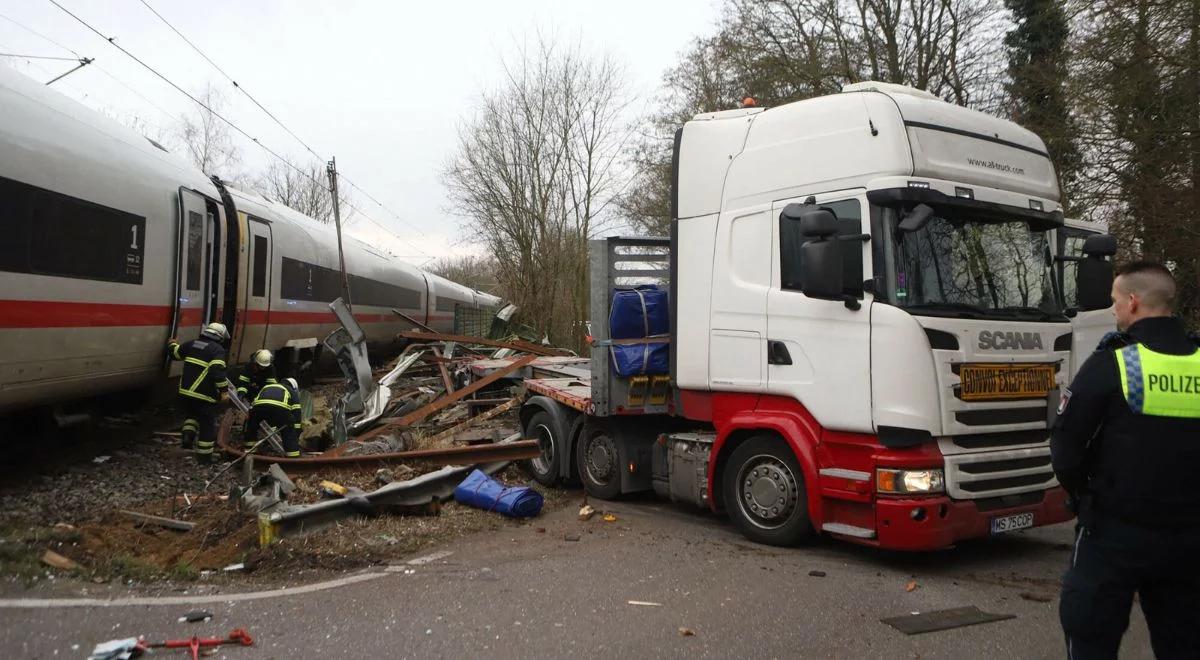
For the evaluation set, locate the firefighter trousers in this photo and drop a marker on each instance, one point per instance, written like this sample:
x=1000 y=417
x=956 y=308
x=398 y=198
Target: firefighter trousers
x=201 y=424
x=1112 y=561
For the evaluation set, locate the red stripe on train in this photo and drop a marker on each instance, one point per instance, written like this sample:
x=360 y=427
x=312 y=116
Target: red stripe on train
x=57 y=314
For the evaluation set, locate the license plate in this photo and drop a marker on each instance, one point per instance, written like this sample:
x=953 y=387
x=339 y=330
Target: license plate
x=1001 y=524
x=999 y=382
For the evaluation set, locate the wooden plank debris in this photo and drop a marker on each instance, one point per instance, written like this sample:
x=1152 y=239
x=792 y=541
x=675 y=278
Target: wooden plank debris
x=171 y=523
x=466 y=424
x=433 y=407
x=516 y=345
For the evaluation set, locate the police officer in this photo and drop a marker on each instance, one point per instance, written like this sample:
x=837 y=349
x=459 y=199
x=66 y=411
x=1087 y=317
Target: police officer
x=277 y=404
x=1126 y=446
x=261 y=371
x=201 y=388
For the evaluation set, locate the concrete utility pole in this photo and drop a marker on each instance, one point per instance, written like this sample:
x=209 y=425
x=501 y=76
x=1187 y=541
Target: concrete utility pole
x=337 y=222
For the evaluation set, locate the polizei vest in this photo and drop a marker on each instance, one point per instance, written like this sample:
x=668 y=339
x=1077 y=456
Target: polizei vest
x=1159 y=384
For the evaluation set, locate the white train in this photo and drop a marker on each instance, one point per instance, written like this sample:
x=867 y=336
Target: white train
x=110 y=245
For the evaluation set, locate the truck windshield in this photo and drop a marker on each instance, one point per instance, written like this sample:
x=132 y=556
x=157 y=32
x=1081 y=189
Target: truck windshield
x=971 y=268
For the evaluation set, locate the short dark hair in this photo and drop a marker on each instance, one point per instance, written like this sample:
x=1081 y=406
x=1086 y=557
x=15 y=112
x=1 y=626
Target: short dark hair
x=1151 y=281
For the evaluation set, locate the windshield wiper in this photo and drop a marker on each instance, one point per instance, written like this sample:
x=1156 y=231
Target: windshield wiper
x=960 y=309
x=1040 y=313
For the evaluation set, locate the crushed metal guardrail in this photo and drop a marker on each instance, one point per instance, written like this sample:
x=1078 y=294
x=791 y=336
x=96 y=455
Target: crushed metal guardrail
x=289 y=520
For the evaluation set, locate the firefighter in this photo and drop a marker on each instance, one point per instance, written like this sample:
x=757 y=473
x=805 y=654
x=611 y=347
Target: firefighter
x=1125 y=446
x=261 y=371
x=277 y=404
x=201 y=388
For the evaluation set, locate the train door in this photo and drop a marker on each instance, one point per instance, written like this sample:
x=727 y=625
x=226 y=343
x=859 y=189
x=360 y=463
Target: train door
x=193 y=284
x=258 y=292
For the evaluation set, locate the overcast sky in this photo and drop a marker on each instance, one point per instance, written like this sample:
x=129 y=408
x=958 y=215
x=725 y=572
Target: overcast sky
x=380 y=84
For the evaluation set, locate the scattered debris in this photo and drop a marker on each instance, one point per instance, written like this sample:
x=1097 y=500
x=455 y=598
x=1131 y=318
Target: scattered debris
x=235 y=567
x=117 y=649
x=1037 y=598
x=911 y=586
x=645 y=603
x=574 y=538
x=64 y=527
x=912 y=624
x=586 y=512
x=237 y=637
x=55 y=560
x=196 y=616
x=686 y=632
x=384 y=476
x=170 y=523
x=816 y=573
x=481 y=491
x=101 y=459
x=608 y=517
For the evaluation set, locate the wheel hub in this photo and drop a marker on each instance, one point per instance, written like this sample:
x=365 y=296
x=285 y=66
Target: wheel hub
x=545 y=440
x=601 y=459
x=768 y=491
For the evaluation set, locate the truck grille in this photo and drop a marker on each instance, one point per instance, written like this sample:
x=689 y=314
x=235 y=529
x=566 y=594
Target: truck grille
x=999 y=473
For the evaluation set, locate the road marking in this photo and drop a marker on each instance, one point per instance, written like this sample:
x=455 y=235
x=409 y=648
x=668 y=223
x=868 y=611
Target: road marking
x=43 y=603
x=429 y=559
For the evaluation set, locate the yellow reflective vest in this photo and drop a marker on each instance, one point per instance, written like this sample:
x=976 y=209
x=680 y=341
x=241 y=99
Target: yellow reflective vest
x=1160 y=384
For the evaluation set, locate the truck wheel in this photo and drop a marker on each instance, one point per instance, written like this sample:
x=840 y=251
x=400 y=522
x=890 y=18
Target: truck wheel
x=764 y=493
x=599 y=463
x=541 y=427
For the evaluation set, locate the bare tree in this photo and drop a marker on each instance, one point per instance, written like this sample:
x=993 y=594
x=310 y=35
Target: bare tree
x=473 y=270
x=779 y=51
x=207 y=140
x=303 y=188
x=535 y=174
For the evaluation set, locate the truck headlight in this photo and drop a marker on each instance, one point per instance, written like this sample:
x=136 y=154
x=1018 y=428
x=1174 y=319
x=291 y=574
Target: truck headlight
x=906 y=482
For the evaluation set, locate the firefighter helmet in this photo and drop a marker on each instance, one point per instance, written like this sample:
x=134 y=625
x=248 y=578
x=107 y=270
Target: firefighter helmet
x=263 y=357
x=292 y=383
x=216 y=331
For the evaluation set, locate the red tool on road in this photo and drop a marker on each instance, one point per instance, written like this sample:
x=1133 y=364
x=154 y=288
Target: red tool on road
x=238 y=637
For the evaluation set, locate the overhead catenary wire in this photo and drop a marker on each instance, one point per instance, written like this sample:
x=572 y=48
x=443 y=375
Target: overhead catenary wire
x=99 y=68
x=42 y=57
x=225 y=120
x=275 y=119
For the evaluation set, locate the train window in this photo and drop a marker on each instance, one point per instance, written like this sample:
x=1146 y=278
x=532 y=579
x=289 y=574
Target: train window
x=260 y=266
x=48 y=233
x=445 y=304
x=300 y=280
x=195 y=250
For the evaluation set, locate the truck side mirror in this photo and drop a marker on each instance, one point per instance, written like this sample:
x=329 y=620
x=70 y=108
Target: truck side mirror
x=1100 y=245
x=1094 y=274
x=821 y=255
x=915 y=219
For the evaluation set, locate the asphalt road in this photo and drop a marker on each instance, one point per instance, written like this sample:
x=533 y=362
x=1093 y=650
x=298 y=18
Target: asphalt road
x=532 y=593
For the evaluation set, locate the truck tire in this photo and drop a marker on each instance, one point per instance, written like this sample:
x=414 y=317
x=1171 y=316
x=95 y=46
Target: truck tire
x=764 y=494
x=599 y=462
x=542 y=427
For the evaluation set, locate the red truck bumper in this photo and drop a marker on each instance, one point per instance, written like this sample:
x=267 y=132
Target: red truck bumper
x=945 y=522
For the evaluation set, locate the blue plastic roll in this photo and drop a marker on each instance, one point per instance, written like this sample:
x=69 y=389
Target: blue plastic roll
x=640 y=312
x=483 y=492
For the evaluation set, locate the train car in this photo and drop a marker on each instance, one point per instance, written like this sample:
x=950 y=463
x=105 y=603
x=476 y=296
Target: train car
x=111 y=245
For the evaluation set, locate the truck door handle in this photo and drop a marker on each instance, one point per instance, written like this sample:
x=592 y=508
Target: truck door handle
x=777 y=353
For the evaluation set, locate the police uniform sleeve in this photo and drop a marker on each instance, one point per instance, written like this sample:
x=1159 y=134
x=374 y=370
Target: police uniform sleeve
x=1080 y=413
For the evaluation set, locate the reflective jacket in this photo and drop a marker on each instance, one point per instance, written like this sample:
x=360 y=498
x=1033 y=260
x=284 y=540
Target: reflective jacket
x=1127 y=439
x=203 y=368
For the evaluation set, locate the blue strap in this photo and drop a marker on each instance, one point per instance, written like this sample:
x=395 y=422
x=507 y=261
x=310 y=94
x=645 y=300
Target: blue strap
x=1136 y=396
